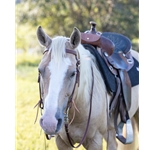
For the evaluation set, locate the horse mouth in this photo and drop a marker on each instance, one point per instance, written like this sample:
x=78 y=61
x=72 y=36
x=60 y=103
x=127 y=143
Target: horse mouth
x=59 y=124
x=49 y=136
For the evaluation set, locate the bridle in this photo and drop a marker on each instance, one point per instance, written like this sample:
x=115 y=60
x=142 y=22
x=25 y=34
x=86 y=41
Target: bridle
x=71 y=100
x=40 y=103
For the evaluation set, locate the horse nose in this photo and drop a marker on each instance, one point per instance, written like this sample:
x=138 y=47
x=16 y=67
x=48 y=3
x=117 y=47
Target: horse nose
x=49 y=124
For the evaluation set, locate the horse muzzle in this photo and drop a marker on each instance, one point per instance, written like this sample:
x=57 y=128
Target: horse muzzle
x=51 y=125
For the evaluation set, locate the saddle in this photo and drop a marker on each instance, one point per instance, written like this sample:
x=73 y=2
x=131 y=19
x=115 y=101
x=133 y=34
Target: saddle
x=115 y=51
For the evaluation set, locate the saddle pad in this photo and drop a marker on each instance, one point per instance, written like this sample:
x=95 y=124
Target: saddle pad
x=108 y=77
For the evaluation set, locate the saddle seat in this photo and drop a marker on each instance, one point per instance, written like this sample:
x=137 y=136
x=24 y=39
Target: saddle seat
x=121 y=57
x=116 y=47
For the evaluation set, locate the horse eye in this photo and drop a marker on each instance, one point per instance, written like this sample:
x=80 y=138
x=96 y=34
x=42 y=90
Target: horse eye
x=73 y=74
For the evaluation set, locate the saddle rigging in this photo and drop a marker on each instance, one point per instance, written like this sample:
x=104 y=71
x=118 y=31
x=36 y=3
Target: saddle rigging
x=116 y=56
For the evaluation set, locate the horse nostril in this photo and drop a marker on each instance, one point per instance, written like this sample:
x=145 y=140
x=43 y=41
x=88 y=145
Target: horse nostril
x=59 y=125
x=59 y=121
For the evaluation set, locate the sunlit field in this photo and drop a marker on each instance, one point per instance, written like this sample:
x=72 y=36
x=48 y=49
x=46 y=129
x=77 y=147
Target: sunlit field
x=29 y=136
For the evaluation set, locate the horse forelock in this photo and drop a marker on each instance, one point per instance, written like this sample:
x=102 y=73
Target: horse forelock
x=58 y=49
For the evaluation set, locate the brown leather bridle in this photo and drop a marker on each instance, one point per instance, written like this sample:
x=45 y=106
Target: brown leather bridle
x=71 y=100
x=40 y=103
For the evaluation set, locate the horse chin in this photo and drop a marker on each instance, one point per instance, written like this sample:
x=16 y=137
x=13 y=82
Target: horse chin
x=51 y=134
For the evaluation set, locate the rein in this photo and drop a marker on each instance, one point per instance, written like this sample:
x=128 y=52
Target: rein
x=40 y=102
x=66 y=118
x=69 y=105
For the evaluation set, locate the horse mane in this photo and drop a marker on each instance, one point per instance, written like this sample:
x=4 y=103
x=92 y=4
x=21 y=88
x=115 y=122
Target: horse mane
x=88 y=61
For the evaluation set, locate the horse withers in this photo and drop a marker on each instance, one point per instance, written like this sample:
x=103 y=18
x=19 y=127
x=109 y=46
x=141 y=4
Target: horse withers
x=58 y=71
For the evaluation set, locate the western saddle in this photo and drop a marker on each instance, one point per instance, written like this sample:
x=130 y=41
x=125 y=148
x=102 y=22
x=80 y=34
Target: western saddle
x=115 y=50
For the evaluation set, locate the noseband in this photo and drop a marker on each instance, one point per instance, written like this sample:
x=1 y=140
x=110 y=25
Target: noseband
x=40 y=104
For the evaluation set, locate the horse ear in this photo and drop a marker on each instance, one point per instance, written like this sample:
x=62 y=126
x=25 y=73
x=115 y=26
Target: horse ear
x=43 y=38
x=75 y=38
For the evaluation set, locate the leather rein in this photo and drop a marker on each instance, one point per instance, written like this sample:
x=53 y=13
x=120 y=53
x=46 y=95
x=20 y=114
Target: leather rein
x=40 y=103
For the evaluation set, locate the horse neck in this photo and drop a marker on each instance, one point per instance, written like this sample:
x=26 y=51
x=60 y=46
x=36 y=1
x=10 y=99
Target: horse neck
x=83 y=92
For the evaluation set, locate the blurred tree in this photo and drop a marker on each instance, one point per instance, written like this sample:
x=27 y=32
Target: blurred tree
x=58 y=17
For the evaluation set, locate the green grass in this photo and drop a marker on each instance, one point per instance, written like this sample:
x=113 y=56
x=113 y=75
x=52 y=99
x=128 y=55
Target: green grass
x=29 y=136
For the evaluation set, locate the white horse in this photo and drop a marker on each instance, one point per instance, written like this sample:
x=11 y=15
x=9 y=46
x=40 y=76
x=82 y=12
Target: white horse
x=58 y=76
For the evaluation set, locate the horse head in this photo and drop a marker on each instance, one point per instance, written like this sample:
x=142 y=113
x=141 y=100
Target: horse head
x=57 y=77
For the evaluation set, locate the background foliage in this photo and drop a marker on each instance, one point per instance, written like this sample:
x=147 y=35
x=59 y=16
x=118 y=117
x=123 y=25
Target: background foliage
x=58 y=17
